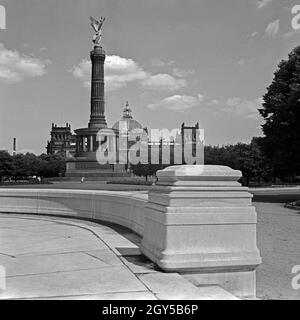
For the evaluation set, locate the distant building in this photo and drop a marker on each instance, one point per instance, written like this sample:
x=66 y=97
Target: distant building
x=185 y=143
x=123 y=129
x=127 y=123
x=62 y=141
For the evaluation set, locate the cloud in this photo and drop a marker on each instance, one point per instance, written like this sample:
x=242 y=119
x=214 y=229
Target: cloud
x=163 y=82
x=262 y=3
x=82 y=71
x=272 y=29
x=119 y=72
x=253 y=34
x=246 y=108
x=182 y=73
x=161 y=63
x=14 y=67
x=201 y=97
x=178 y=103
x=233 y=102
x=213 y=102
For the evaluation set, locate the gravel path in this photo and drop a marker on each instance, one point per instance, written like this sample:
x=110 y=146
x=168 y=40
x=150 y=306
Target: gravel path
x=278 y=236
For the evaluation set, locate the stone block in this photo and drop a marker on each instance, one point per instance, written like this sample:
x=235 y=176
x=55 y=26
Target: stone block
x=200 y=222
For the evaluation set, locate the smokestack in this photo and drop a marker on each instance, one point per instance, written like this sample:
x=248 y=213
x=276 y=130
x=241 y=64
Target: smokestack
x=14 y=146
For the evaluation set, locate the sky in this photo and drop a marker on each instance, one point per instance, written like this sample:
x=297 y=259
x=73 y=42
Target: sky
x=206 y=61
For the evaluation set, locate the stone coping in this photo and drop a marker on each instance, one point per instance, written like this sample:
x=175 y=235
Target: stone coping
x=120 y=207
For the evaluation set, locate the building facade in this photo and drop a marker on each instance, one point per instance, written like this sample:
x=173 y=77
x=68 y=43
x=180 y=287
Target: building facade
x=62 y=141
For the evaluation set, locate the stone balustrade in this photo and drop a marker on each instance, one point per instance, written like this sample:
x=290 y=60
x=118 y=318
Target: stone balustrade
x=197 y=221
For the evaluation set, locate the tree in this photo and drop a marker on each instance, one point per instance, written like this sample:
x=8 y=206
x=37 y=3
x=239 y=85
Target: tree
x=146 y=170
x=52 y=165
x=6 y=165
x=281 y=112
x=26 y=165
x=247 y=158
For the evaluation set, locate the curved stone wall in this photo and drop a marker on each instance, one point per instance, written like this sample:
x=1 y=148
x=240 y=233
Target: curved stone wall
x=123 y=208
x=198 y=221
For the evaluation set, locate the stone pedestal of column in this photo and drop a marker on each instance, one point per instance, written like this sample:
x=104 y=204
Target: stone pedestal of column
x=200 y=222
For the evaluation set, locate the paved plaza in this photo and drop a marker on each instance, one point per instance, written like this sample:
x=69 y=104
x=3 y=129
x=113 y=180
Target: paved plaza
x=55 y=258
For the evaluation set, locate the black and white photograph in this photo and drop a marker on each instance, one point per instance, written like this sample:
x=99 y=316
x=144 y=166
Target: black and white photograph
x=149 y=151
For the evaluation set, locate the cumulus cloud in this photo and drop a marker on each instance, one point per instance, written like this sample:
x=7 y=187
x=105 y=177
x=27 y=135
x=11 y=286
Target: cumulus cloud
x=178 y=103
x=118 y=72
x=121 y=71
x=273 y=28
x=263 y=3
x=14 y=67
x=163 y=81
x=83 y=72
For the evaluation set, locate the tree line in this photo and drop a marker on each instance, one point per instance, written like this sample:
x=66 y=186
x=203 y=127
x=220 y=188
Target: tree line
x=248 y=158
x=25 y=166
x=245 y=157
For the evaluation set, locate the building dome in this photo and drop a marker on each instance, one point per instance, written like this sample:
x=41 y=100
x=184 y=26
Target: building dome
x=127 y=123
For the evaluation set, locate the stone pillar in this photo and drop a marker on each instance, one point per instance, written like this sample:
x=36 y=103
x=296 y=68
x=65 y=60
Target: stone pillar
x=91 y=143
x=88 y=144
x=200 y=222
x=80 y=143
x=84 y=143
x=97 y=119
